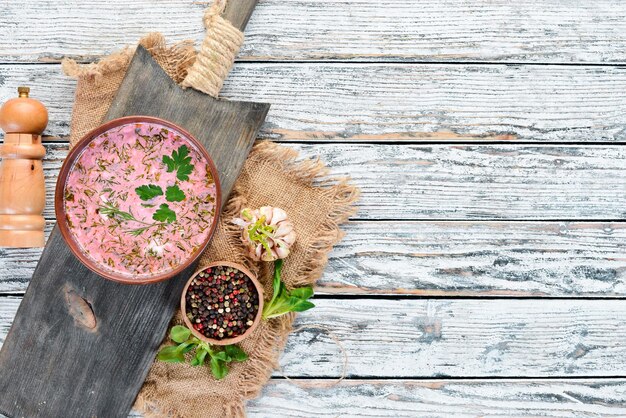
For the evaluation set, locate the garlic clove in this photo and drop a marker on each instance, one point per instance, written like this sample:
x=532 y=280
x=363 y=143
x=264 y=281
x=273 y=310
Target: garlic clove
x=290 y=238
x=256 y=253
x=266 y=211
x=240 y=222
x=278 y=215
x=269 y=255
x=284 y=228
x=282 y=251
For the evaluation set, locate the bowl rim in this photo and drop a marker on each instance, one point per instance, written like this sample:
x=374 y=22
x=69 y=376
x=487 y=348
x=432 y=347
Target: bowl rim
x=257 y=319
x=59 y=207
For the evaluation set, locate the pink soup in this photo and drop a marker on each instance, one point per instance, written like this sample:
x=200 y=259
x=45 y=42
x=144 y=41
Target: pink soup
x=140 y=200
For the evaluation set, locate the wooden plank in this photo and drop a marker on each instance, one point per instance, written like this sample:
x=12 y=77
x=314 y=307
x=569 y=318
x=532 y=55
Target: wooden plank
x=421 y=338
x=564 y=259
x=434 y=30
x=410 y=103
x=440 y=398
x=462 y=182
x=443 y=398
x=78 y=312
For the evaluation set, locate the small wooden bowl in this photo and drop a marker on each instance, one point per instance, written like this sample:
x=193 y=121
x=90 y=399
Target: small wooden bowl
x=225 y=341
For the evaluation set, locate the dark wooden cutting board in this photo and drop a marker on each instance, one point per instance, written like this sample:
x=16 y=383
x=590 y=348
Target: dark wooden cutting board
x=80 y=345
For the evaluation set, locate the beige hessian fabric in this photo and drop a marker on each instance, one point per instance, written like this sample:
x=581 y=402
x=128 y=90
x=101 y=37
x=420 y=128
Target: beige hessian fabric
x=271 y=176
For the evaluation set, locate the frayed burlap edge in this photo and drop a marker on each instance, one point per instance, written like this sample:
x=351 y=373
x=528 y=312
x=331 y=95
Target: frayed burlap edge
x=313 y=173
x=264 y=358
x=181 y=57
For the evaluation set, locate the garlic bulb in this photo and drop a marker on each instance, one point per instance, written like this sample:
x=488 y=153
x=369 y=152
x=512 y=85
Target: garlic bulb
x=267 y=232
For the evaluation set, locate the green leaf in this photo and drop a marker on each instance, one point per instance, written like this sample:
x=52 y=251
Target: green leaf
x=182 y=154
x=198 y=360
x=235 y=353
x=221 y=355
x=170 y=163
x=298 y=305
x=303 y=293
x=149 y=191
x=138 y=231
x=180 y=333
x=164 y=214
x=278 y=268
x=186 y=347
x=283 y=301
x=218 y=368
x=179 y=161
x=171 y=354
x=184 y=171
x=174 y=194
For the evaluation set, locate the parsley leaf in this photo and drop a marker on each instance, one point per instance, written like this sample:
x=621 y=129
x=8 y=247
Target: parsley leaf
x=164 y=214
x=174 y=194
x=149 y=191
x=179 y=161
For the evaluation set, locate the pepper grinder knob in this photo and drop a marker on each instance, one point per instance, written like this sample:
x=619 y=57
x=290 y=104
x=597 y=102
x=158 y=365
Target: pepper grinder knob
x=22 y=187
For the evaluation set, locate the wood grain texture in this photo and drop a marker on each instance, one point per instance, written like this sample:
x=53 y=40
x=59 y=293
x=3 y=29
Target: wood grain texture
x=461 y=338
x=409 y=103
x=564 y=259
x=463 y=182
x=78 y=312
x=440 y=338
x=443 y=399
x=583 y=398
x=450 y=30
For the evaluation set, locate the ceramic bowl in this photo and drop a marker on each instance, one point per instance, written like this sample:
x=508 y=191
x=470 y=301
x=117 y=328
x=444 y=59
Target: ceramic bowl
x=137 y=236
x=223 y=341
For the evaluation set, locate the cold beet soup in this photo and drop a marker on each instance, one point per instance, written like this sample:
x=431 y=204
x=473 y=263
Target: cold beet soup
x=140 y=200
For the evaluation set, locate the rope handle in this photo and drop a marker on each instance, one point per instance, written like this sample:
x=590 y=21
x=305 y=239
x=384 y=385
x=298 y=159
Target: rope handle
x=215 y=9
x=217 y=52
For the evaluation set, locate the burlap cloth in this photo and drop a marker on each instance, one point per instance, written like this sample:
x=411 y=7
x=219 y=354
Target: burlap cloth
x=316 y=203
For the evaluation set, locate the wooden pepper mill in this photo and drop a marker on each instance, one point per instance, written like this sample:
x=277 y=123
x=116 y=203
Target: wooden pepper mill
x=22 y=189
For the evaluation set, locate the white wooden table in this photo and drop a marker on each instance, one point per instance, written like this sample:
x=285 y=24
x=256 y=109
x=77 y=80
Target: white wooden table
x=485 y=272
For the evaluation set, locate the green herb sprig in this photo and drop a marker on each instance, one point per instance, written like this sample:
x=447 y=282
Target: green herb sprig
x=112 y=211
x=219 y=359
x=284 y=301
x=179 y=161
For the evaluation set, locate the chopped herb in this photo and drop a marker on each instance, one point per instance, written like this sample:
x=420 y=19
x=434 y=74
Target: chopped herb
x=112 y=211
